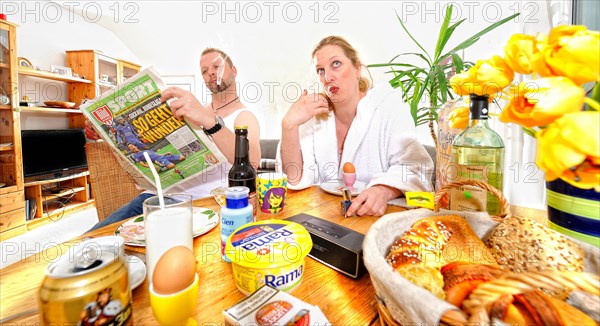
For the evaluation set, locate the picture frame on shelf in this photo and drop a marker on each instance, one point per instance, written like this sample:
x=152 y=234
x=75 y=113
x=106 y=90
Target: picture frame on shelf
x=60 y=70
x=23 y=62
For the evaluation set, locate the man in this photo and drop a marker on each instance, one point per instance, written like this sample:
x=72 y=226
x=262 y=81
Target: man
x=217 y=118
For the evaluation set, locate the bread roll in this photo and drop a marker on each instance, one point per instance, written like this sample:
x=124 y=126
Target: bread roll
x=433 y=242
x=523 y=245
x=438 y=240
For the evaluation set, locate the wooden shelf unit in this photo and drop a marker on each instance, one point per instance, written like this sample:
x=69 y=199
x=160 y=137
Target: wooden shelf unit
x=72 y=191
x=51 y=207
x=12 y=199
x=93 y=65
x=51 y=76
x=5 y=148
x=48 y=110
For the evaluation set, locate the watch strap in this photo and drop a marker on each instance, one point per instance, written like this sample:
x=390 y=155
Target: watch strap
x=214 y=129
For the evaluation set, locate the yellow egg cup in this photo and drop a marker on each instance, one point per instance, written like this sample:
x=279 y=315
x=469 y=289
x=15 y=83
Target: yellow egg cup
x=177 y=308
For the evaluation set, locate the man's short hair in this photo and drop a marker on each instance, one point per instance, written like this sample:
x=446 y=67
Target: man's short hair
x=225 y=56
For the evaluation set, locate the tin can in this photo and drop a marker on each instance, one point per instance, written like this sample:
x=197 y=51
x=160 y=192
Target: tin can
x=87 y=286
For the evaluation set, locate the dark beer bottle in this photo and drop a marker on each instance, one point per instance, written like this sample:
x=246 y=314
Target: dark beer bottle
x=242 y=173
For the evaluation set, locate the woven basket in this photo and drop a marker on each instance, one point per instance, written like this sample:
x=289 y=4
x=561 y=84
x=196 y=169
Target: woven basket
x=452 y=317
x=511 y=283
x=504 y=205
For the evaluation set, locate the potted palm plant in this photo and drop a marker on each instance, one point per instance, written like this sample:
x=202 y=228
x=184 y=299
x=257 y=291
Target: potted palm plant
x=430 y=79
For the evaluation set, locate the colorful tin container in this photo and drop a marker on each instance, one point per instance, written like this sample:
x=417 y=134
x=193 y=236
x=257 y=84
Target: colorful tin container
x=270 y=252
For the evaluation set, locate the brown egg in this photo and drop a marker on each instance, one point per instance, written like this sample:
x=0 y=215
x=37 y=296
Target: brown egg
x=174 y=271
x=348 y=168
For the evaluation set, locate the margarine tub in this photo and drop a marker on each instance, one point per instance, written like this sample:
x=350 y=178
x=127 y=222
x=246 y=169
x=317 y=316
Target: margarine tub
x=270 y=252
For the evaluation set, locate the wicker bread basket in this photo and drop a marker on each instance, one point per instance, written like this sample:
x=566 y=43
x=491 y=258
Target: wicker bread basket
x=401 y=302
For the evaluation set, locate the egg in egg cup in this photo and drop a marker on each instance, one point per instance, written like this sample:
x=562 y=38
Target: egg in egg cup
x=175 y=308
x=349 y=175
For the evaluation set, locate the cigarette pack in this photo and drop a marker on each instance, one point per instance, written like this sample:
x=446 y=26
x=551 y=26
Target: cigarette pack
x=268 y=306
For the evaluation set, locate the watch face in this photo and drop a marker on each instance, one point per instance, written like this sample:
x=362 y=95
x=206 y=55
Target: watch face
x=220 y=121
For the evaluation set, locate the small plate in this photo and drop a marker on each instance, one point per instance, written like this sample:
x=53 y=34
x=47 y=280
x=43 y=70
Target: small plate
x=335 y=187
x=204 y=220
x=58 y=104
x=136 y=269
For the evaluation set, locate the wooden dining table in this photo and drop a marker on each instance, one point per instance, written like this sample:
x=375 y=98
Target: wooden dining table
x=342 y=299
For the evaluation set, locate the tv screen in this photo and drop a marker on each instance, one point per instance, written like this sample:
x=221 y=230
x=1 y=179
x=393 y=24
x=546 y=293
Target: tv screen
x=52 y=152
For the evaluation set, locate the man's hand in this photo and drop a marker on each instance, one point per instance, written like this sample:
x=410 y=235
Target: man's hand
x=372 y=201
x=185 y=105
x=90 y=133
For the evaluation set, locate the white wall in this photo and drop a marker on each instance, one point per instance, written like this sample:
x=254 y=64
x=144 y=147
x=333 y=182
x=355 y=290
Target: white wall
x=271 y=42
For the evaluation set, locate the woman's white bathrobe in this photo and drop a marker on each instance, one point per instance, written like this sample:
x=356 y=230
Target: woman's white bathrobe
x=381 y=144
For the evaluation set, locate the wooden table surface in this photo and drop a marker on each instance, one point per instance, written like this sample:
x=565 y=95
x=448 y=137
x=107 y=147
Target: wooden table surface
x=343 y=300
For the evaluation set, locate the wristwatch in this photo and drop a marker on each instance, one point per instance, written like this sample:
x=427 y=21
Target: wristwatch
x=219 y=123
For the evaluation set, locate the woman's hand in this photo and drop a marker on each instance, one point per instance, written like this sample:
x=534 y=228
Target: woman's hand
x=185 y=105
x=305 y=108
x=372 y=201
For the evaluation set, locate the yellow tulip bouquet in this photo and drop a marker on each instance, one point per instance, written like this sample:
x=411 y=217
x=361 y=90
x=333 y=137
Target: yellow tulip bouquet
x=553 y=106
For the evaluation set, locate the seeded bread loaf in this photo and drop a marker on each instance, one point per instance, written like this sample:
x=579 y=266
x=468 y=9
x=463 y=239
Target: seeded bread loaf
x=523 y=245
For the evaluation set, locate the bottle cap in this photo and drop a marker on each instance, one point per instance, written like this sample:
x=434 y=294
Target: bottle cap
x=237 y=197
x=479 y=107
x=241 y=127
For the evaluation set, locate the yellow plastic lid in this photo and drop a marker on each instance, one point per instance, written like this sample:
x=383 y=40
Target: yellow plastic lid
x=268 y=244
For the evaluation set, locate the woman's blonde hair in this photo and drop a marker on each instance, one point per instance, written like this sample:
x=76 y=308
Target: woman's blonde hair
x=364 y=83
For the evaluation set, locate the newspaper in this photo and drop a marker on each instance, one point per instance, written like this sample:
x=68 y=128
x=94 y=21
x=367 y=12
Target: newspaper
x=133 y=120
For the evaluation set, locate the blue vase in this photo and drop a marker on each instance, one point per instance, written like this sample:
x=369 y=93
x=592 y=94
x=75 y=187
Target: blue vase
x=573 y=211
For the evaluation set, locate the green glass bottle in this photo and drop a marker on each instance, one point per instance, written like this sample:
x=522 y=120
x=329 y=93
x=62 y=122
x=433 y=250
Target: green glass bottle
x=477 y=154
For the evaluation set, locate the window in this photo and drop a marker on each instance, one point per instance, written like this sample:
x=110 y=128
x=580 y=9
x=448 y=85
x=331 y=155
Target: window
x=585 y=12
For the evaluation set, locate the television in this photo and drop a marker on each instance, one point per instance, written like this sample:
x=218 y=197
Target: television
x=52 y=153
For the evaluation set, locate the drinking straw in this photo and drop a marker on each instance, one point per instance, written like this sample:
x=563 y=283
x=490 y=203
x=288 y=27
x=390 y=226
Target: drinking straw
x=161 y=200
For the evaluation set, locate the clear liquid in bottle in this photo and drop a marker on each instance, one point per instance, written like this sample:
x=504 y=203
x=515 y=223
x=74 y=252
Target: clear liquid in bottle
x=477 y=154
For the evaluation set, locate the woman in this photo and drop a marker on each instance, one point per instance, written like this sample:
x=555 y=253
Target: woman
x=363 y=126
